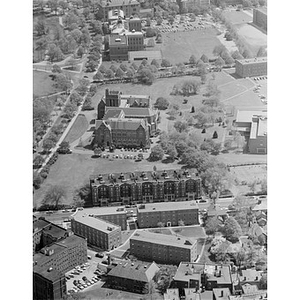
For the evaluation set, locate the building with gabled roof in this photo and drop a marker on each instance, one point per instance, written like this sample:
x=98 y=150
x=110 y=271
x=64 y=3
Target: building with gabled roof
x=132 y=276
x=171 y=294
x=161 y=248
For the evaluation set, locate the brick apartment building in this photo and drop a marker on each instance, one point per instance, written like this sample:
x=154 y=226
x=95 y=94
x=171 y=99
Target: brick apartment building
x=253 y=125
x=132 y=277
x=196 y=275
x=135 y=40
x=260 y=18
x=135 y=24
x=46 y=233
x=129 y=7
x=99 y=233
x=145 y=187
x=168 y=249
x=113 y=214
x=51 y=264
x=149 y=215
x=250 y=67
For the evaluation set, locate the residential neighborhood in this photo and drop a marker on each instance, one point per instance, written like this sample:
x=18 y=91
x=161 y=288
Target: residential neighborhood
x=150 y=149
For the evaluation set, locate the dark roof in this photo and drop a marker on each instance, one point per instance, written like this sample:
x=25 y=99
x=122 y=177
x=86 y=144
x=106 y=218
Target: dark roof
x=55 y=230
x=221 y=293
x=137 y=111
x=52 y=275
x=39 y=224
x=134 y=271
x=112 y=113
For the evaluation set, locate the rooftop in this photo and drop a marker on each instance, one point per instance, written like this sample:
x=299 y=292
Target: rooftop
x=137 y=111
x=134 y=33
x=246 y=61
x=39 y=224
x=144 y=54
x=118 y=2
x=93 y=222
x=171 y=294
x=126 y=124
x=145 y=176
x=167 y=206
x=262 y=9
x=246 y=116
x=117 y=40
x=251 y=275
x=52 y=275
x=113 y=113
x=191 y=294
x=134 y=271
x=221 y=293
x=163 y=239
x=102 y=211
x=187 y=271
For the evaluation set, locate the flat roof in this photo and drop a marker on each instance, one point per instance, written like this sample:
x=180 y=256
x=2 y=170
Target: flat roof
x=117 y=40
x=246 y=116
x=187 y=271
x=103 y=211
x=96 y=223
x=192 y=294
x=129 y=33
x=167 y=206
x=111 y=3
x=262 y=9
x=221 y=293
x=246 y=61
x=163 y=239
x=144 y=176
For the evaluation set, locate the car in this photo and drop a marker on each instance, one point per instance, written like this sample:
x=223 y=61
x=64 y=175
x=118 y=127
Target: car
x=88 y=283
x=99 y=254
x=71 y=291
x=105 y=262
x=85 y=285
x=71 y=276
x=89 y=257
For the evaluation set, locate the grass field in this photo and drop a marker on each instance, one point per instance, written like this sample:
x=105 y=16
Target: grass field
x=237 y=17
x=250 y=173
x=78 y=129
x=42 y=84
x=179 y=46
x=193 y=232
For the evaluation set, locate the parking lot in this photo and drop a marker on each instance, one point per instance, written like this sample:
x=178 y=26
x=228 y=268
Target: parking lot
x=134 y=154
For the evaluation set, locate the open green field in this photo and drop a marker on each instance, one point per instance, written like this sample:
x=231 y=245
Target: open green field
x=237 y=17
x=250 y=173
x=179 y=46
x=79 y=127
x=192 y=232
x=43 y=84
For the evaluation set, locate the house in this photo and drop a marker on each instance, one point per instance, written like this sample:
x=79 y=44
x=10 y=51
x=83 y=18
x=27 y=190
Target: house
x=132 y=277
x=171 y=294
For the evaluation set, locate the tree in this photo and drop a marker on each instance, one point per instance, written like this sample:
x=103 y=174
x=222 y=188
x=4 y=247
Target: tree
x=155 y=63
x=165 y=63
x=263 y=282
x=192 y=109
x=91 y=66
x=38 y=161
x=247 y=53
x=232 y=230
x=262 y=2
x=151 y=43
x=54 y=195
x=219 y=62
x=130 y=73
x=237 y=55
x=113 y=67
x=215 y=135
x=204 y=58
x=40 y=26
x=171 y=151
x=229 y=60
x=69 y=110
x=37 y=180
x=80 y=51
x=150 y=32
x=98 y=76
x=180 y=126
x=146 y=76
x=109 y=74
x=157 y=153
x=163 y=277
x=246 y=3
x=161 y=103
x=56 y=69
x=54 y=53
x=201 y=119
x=212 y=225
x=48 y=144
x=160 y=225
x=62 y=82
x=192 y=59
x=159 y=40
x=82 y=195
x=123 y=67
x=159 y=21
x=102 y=69
x=219 y=49
x=64 y=145
x=120 y=73
x=261 y=52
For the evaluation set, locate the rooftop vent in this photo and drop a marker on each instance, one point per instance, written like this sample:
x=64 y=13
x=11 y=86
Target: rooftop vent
x=50 y=269
x=118 y=40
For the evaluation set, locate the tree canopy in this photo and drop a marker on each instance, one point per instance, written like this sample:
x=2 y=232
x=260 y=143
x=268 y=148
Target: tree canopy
x=55 y=195
x=157 y=153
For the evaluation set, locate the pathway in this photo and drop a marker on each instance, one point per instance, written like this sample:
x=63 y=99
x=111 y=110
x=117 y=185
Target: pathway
x=201 y=253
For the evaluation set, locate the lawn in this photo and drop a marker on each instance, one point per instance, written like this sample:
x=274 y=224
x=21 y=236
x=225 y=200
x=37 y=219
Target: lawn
x=179 y=46
x=42 y=84
x=237 y=17
x=192 y=232
x=79 y=127
x=73 y=170
x=249 y=173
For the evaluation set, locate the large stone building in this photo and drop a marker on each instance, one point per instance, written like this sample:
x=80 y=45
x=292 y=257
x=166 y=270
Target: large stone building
x=125 y=120
x=196 y=275
x=260 y=18
x=149 y=215
x=250 y=67
x=118 y=47
x=129 y=7
x=167 y=249
x=253 y=125
x=145 y=187
x=51 y=264
x=99 y=233
x=46 y=233
x=132 y=277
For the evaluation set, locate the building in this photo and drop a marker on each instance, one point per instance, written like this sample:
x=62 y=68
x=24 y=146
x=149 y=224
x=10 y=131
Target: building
x=221 y=293
x=115 y=15
x=150 y=214
x=250 y=276
x=141 y=55
x=260 y=18
x=118 y=48
x=250 y=67
x=135 y=24
x=129 y=7
x=51 y=264
x=132 y=277
x=200 y=277
x=253 y=125
x=125 y=120
x=46 y=233
x=98 y=232
x=193 y=294
x=145 y=187
x=161 y=248
x=112 y=214
x=135 y=40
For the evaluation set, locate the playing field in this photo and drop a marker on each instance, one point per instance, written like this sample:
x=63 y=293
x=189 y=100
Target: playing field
x=78 y=129
x=179 y=46
x=42 y=84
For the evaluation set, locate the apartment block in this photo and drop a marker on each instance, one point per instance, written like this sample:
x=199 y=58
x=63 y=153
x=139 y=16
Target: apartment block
x=168 y=249
x=99 y=233
x=260 y=17
x=250 y=67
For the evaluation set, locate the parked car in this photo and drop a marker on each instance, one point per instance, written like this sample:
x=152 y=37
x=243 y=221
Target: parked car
x=99 y=254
